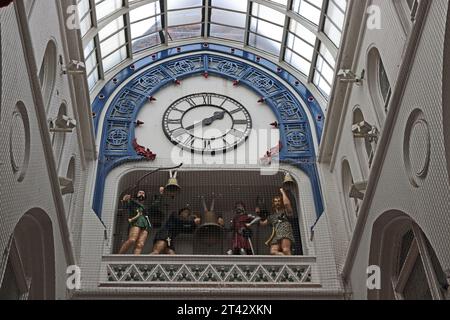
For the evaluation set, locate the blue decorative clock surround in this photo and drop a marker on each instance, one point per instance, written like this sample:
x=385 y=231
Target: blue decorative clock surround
x=118 y=126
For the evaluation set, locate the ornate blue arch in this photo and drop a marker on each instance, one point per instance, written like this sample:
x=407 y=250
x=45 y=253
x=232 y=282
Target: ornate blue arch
x=117 y=131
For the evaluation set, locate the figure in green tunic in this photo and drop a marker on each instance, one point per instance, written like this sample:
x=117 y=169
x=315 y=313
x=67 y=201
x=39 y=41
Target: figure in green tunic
x=138 y=218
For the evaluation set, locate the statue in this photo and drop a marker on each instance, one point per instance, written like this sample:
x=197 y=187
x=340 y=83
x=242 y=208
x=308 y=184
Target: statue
x=282 y=236
x=181 y=222
x=158 y=207
x=139 y=223
x=240 y=226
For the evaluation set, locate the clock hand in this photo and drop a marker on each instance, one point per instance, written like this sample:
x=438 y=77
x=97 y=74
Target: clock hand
x=193 y=126
x=208 y=121
x=217 y=116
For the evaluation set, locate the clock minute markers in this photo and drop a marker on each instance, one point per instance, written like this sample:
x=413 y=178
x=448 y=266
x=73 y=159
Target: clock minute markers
x=214 y=141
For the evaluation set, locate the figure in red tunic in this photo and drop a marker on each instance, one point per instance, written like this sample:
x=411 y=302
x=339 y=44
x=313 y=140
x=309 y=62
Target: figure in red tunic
x=240 y=225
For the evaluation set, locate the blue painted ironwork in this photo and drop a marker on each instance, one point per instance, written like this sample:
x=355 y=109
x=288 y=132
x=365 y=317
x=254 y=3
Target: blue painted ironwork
x=226 y=67
x=118 y=131
x=117 y=137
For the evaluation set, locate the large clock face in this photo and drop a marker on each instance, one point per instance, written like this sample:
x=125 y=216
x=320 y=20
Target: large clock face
x=207 y=123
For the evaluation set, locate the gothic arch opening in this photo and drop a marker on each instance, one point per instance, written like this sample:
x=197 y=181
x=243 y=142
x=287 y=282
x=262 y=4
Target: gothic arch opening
x=406 y=10
x=410 y=269
x=378 y=82
x=47 y=72
x=31 y=259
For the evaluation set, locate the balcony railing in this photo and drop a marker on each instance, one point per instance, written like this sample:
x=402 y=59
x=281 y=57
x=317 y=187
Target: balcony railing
x=209 y=271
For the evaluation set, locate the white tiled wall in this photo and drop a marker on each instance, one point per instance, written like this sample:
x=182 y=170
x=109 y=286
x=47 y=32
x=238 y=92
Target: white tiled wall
x=429 y=204
x=17 y=198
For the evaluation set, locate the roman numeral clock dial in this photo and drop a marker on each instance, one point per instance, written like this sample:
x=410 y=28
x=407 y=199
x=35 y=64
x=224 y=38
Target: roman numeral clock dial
x=207 y=123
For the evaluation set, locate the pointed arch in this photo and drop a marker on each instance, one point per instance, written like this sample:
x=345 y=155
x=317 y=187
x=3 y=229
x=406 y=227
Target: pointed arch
x=47 y=72
x=410 y=267
x=32 y=256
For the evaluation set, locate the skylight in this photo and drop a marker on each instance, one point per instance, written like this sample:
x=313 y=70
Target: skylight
x=306 y=34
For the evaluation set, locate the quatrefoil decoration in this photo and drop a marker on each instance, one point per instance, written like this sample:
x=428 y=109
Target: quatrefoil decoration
x=117 y=137
x=289 y=109
x=227 y=67
x=148 y=81
x=263 y=82
x=125 y=106
x=296 y=139
x=184 y=66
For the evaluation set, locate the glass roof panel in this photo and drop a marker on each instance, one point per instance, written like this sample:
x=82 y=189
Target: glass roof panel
x=183 y=4
x=105 y=8
x=237 y=5
x=146 y=11
x=308 y=39
x=229 y=18
x=182 y=17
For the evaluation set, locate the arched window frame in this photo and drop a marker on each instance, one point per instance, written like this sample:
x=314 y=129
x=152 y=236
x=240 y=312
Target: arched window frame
x=418 y=250
x=376 y=73
x=48 y=71
x=386 y=252
x=32 y=256
x=406 y=11
x=18 y=282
